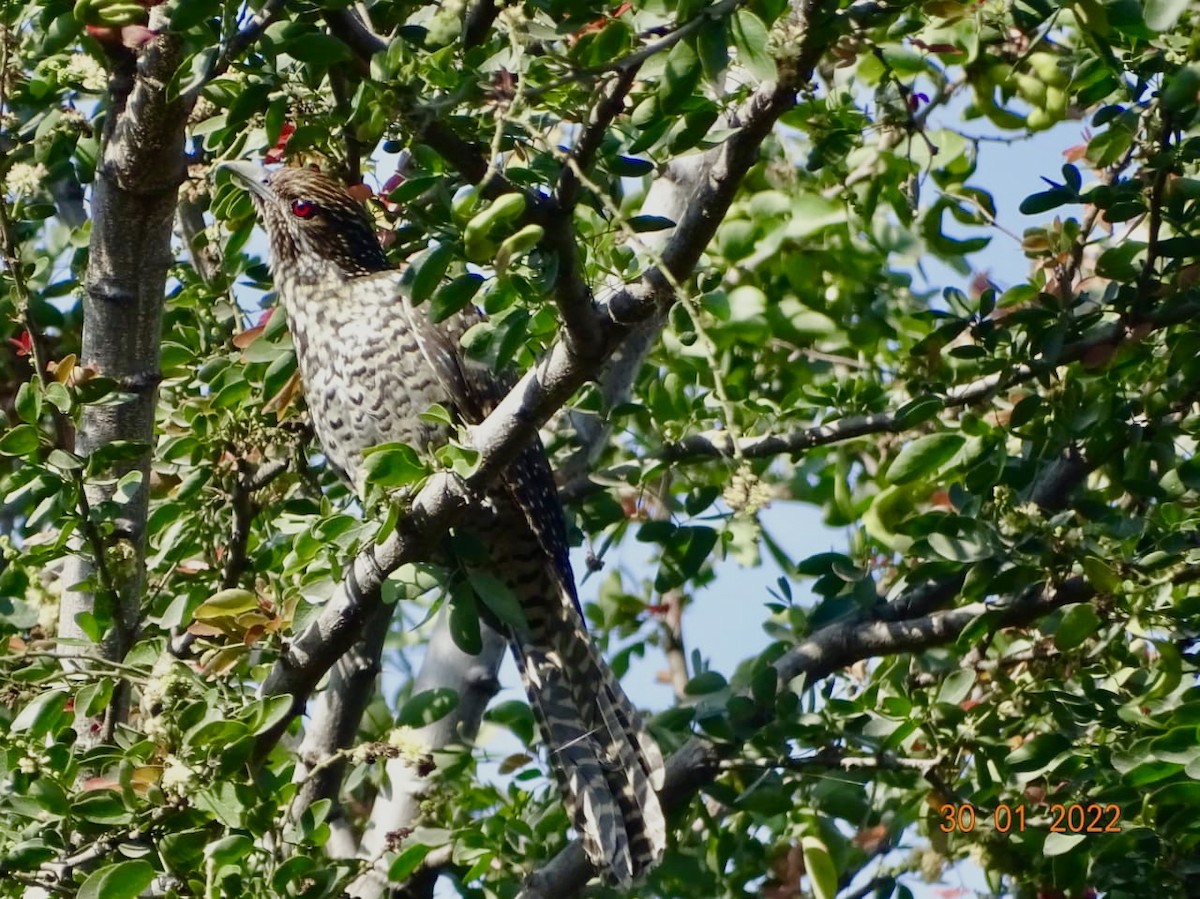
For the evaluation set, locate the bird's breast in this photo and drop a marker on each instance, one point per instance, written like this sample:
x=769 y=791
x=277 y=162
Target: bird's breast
x=366 y=380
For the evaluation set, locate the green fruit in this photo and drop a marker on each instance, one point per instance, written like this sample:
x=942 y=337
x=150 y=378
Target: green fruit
x=1046 y=67
x=997 y=115
x=1039 y=119
x=1030 y=89
x=504 y=210
x=1056 y=103
x=464 y=202
x=518 y=245
x=478 y=246
x=116 y=15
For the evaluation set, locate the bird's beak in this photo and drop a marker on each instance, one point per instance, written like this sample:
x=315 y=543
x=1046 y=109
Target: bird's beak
x=250 y=176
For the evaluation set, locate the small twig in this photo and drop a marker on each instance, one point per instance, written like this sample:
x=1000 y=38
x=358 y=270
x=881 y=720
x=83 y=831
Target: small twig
x=837 y=760
x=95 y=541
x=1037 y=653
x=1156 y=206
x=117 y=668
x=238 y=44
x=611 y=105
x=870 y=887
x=635 y=59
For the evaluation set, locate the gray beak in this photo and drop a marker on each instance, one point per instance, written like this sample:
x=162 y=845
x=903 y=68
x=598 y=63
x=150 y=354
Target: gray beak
x=250 y=176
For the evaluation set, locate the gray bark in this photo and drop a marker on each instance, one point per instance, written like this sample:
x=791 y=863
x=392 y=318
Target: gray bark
x=399 y=805
x=133 y=208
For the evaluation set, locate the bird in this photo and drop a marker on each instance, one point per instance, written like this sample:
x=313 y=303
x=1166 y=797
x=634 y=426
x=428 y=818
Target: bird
x=371 y=363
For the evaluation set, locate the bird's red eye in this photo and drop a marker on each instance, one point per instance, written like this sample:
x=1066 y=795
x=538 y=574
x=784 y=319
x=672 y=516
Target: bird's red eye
x=303 y=208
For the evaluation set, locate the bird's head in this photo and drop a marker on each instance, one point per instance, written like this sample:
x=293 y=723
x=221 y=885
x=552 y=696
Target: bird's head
x=317 y=230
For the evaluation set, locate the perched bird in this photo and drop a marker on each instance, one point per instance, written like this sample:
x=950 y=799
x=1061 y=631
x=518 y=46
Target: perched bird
x=371 y=363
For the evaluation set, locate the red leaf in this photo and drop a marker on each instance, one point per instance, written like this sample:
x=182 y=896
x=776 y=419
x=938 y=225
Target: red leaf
x=135 y=36
x=275 y=154
x=392 y=183
x=104 y=34
x=934 y=48
x=22 y=343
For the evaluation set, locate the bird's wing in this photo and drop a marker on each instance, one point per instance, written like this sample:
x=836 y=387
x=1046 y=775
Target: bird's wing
x=476 y=390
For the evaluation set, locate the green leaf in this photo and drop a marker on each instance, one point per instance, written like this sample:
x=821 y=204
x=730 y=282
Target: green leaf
x=1061 y=843
x=642 y=223
x=20 y=441
x=680 y=77
x=517 y=716
x=464 y=619
x=124 y=880
x=713 y=50
x=957 y=686
x=1079 y=622
x=819 y=866
x=922 y=456
x=630 y=166
x=429 y=271
x=1046 y=200
x=407 y=861
x=1102 y=578
x=706 y=682
x=1161 y=15
x=751 y=38
x=28 y=403
x=317 y=48
x=498 y=598
x=229 y=850
x=453 y=297
x=427 y=707
x=102 y=807
x=267 y=713
x=918 y=411
x=970 y=545
x=393 y=465
x=1036 y=756
x=42 y=712
x=64 y=461
x=226 y=603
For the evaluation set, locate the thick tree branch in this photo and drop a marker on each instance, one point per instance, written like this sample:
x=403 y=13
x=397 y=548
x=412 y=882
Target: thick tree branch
x=573 y=294
x=719 y=444
x=335 y=720
x=133 y=208
x=445 y=667
x=478 y=21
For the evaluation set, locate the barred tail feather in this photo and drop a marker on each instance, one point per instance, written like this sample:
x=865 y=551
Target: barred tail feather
x=607 y=765
x=580 y=774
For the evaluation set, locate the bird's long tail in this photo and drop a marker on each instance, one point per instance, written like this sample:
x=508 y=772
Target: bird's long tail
x=607 y=765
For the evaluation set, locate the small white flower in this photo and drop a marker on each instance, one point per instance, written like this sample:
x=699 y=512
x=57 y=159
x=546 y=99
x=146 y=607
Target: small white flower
x=176 y=777
x=83 y=70
x=24 y=179
x=28 y=765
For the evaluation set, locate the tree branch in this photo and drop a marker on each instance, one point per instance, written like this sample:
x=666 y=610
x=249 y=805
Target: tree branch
x=399 y=807
x=836 y=646
x=133 y=208
x=335 y=720
x=238 y=44
x=478 y=21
